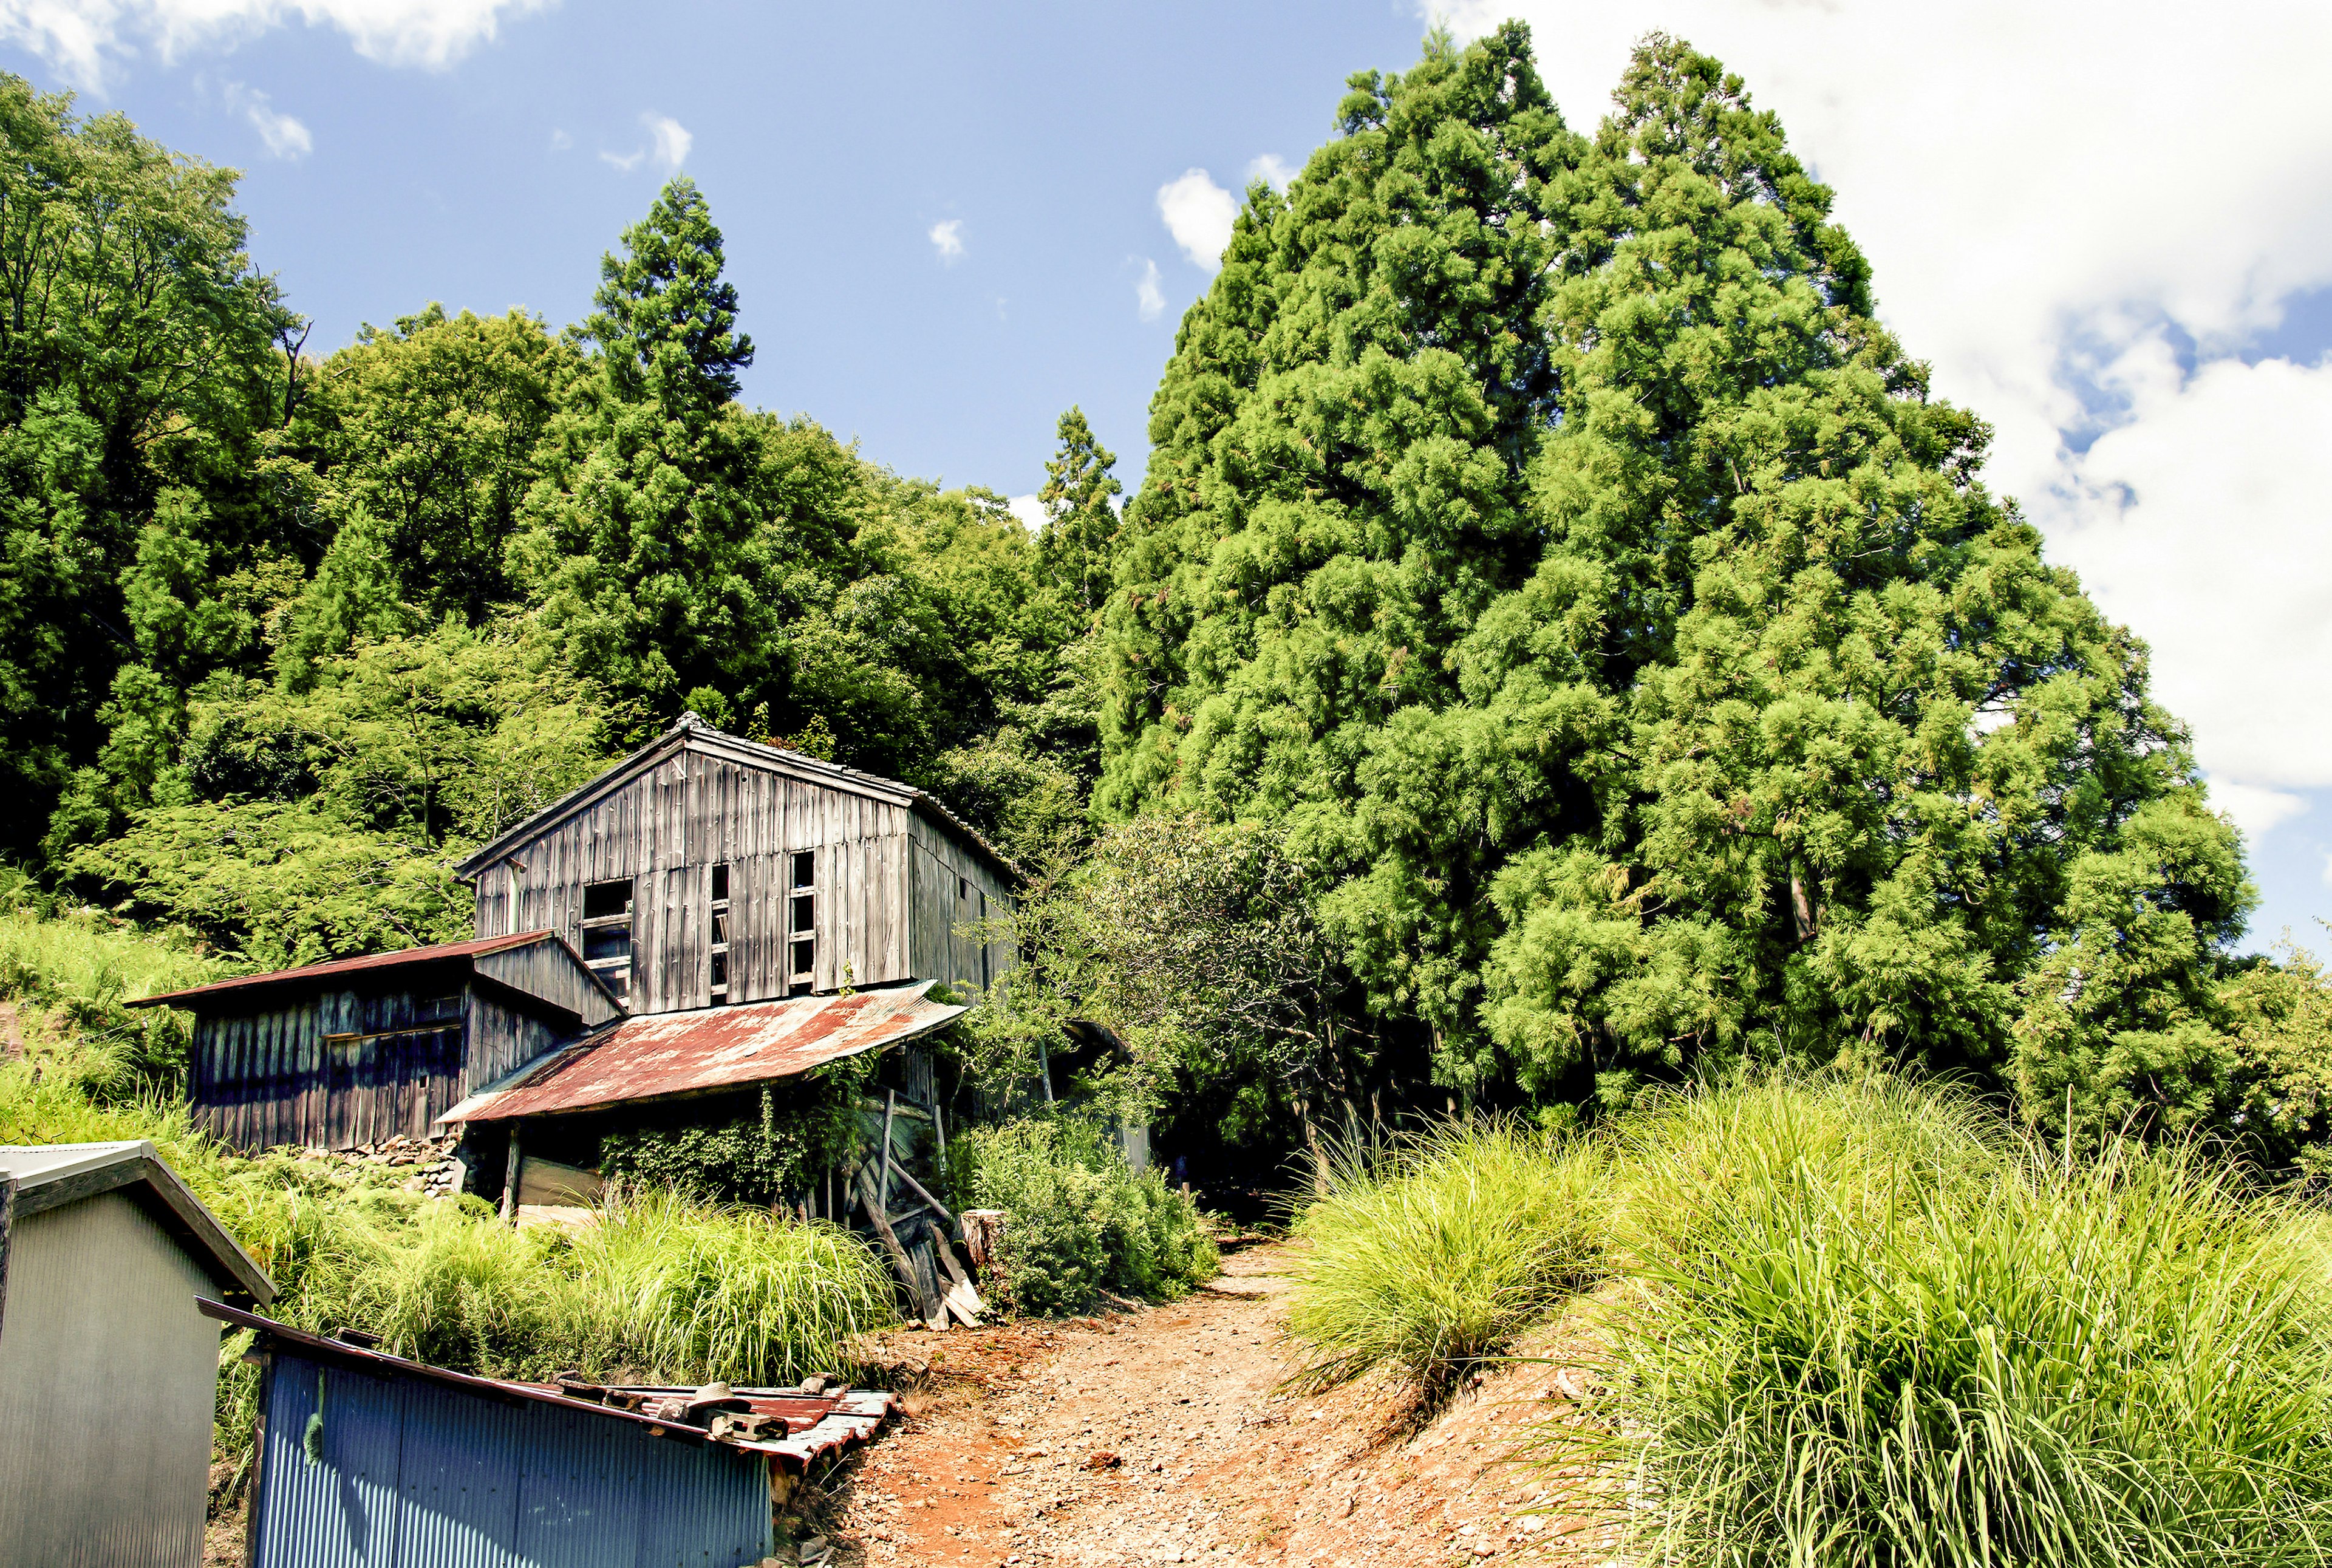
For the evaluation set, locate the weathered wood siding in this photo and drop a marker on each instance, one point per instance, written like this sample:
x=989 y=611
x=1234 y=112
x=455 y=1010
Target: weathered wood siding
x=276 y=1076
x=960 y=906
x=503 y=1038
x=552 y=972
x=664 y=831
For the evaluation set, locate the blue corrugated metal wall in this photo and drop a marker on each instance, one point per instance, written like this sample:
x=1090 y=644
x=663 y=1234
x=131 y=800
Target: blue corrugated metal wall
x=415 y=1475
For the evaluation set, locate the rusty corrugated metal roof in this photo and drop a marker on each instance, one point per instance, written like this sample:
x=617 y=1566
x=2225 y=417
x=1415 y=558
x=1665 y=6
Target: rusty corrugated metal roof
x=667 y=1054
x=792 y=1425
x=331 y=968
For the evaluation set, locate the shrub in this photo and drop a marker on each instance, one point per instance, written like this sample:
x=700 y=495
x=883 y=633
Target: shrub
x=1432 y=1256
x=1080 y=1220
x=1875 y=1331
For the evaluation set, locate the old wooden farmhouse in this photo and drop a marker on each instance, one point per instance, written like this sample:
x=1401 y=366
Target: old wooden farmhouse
x=709 y=915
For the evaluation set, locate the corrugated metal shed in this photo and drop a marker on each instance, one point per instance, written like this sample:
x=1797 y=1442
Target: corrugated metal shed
x=674 y=1054
x=412 y=1466
x=108 y=1368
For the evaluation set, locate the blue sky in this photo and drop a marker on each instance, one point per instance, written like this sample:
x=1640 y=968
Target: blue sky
x=2115 y=243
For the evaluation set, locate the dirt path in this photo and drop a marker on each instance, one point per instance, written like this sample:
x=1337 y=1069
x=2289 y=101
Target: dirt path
x=1156 y=1437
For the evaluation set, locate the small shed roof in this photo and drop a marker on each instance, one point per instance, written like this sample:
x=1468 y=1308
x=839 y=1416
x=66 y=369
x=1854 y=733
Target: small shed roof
x=334 y=971
x=50 y=1175
x=692 y=733
x=814 y=1423
x=665 y=1055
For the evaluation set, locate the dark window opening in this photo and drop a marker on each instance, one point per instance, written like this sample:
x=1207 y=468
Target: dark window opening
x=717 y=933
x=607 y=933
x=801 y=925
x=607 y=900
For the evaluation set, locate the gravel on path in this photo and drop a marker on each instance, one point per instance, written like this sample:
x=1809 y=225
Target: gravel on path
x=1159 y=1437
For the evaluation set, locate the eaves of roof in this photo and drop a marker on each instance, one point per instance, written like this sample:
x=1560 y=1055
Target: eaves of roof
x=47 y=1176
x=334 y=970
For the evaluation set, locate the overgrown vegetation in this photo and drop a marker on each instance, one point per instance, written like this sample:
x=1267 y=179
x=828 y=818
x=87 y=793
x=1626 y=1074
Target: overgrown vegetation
x=1426 y=1257
x=758 y=1158
x=1080 y=1221
x=1850 y=1320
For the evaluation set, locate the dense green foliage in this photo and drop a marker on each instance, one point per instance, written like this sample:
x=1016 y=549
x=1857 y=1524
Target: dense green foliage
x=1079 y=1220
x=1545 y=536
x=1848 y=1321
x=759 y=1158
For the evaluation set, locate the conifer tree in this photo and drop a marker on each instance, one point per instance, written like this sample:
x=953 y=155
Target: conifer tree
x=1076 y=549
x=1664 y=671
x=639 y=549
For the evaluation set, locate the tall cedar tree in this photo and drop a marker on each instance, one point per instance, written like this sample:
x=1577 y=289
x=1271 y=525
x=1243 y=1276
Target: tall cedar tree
x=641 y=548
x=1548 y=535
x=1077 y=549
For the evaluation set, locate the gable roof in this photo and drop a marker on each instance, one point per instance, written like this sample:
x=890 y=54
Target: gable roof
x=692 y=734
x=51 y=1175
x=667 y=1056
x=196 y=999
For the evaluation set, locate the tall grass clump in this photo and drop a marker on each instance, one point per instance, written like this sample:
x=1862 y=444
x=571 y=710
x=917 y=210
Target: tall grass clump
x=1433 y=1254
x=70 y=971
x=1872 y=1330
x=665 y=1289
x=1080 y=1221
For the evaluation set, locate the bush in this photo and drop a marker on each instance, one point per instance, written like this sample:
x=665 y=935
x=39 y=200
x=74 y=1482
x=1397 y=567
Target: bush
x=1875 y=1330
x=1430 y=1257
x=1080 y=1221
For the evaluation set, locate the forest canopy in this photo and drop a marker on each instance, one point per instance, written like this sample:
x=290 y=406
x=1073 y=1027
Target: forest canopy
x=1559 y=645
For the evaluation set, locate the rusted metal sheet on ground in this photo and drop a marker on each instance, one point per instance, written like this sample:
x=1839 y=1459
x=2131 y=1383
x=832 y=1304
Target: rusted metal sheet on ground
x=674 y=1054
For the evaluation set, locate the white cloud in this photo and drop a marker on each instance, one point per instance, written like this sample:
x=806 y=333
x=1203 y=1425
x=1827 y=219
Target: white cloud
x=670 y=139
x=2048 y=205
x=559 y=140
x=284 y=136
x=1029 y=511
x=946 y=239
x=1148 y=298
x=82 y=39
x=1198 y=214
x=1272 y=169
x=668 y=143
x=2256 y=811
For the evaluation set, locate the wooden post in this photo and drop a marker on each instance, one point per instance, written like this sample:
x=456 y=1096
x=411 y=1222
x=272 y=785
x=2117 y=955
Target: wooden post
x=899 y=1260
x=890 y=1108
x=510 y=1177
x=983 y=1238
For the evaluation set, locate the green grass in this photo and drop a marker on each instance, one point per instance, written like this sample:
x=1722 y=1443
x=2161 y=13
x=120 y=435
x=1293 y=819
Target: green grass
x=1865 y=1323
x=1427 y=1257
